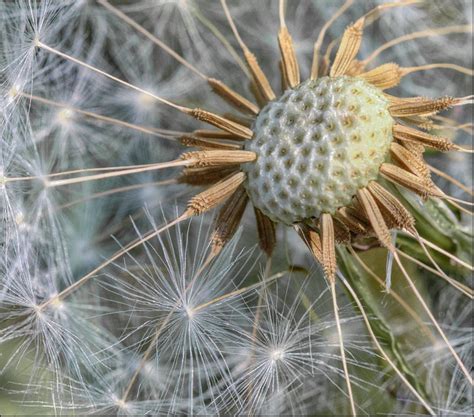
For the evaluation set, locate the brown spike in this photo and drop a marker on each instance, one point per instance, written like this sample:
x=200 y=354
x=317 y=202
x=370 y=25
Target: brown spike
x=348 y=217
x=312 y=240
x=232 y=97
x=218 y=157
x=359 y=212
x=395 y=101
x=222 y=123
x=411 y=162
x=239 y=119
x=261 y=81
x=391 y=208
x=375 y=217
x=205 y=176
x=215 y=195
x=405 y=133
x=422 y=106
x=348 y=49
x=356 y=68
x=328 y=247
x=422 y=122
x=283 y=80
x=384 y=76
x=415 y=148
x=214 y=134
x=290 y=63
x=257 y=94
x=266 y=232
x=229 y=219
x=342 y=234
x=197 y=142
x=408 y=180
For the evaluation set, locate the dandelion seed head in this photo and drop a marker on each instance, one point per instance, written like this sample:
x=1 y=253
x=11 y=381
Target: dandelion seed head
x=13 y=92
x=56 y=303
x=277 y=354
x=65 y=117
x=121 y=404
x=20 y=220
x=36 y=41
x=38 y=311
x=316 y=146
x=190 y=313
x=3 y=179
x=145 y=101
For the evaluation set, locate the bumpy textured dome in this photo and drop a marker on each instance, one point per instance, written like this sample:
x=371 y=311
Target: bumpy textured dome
x=316 y=146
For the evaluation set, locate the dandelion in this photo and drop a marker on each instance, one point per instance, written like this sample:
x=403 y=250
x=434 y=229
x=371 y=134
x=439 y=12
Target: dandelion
x=184 y=309
x=337 y=155
x=285 y=347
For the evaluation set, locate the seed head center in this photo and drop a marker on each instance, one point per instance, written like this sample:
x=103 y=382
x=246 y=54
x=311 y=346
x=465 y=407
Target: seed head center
x=316 y=146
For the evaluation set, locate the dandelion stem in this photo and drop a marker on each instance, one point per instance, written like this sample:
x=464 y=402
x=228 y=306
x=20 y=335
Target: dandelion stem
x=432 y=318
x=327 y=56
x=379 y=347
x=341 y=346
x=370 y=17
x=268 y=267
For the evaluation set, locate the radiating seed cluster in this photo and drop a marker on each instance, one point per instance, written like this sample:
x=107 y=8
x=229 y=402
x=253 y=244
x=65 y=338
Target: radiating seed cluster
x=316 y=146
